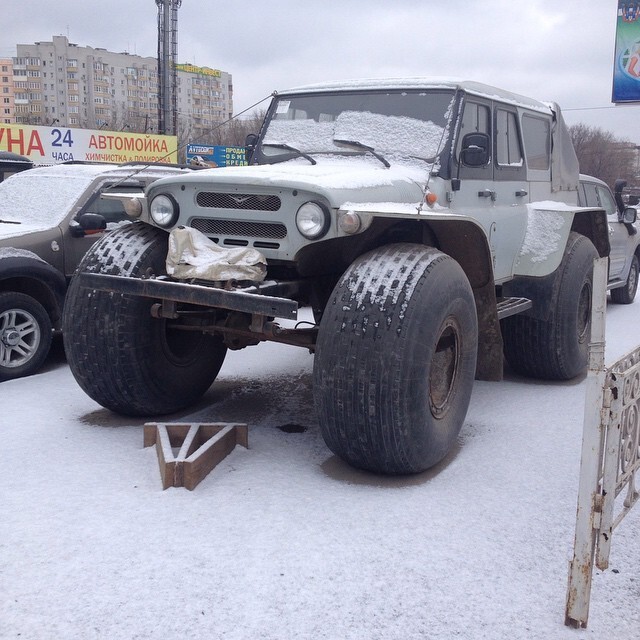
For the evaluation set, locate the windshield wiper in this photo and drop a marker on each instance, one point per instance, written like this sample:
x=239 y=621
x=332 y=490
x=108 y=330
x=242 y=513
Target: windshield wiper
x=365 y=147
x=10 y=222
x=279 y=145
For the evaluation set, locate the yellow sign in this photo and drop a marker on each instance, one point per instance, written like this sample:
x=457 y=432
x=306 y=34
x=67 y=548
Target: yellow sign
x=204 y=71
x=49 y=145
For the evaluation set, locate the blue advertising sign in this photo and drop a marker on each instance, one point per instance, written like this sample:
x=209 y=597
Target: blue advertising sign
x=626 y=70
x=215 y=155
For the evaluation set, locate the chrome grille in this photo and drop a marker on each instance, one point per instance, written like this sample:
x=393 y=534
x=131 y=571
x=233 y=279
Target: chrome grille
x=239 y=228
x=246 y=201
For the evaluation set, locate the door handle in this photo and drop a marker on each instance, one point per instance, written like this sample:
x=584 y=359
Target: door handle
x=487 y=193
x=521 y=193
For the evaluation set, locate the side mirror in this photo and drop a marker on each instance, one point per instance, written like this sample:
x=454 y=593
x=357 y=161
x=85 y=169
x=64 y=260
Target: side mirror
x=250 y=144
x=629 y=215
x=90 y=223
x=475 y=150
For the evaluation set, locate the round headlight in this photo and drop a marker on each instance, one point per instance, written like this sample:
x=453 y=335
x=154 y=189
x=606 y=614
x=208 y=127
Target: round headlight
x=312 y=220
x=164 y=210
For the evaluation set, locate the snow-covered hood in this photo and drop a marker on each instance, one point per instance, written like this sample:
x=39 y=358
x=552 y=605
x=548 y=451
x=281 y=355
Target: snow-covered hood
x=9 y=231
x=339 y=180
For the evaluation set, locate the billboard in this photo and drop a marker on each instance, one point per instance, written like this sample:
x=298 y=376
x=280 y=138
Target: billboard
x=626 y=69
x=203 y=71
x=50 y=145
x=215 y=155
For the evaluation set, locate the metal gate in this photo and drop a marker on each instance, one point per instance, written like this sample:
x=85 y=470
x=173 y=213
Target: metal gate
x=610 y=456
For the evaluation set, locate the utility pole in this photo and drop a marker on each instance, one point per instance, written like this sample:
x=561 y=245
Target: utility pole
x=167 y=59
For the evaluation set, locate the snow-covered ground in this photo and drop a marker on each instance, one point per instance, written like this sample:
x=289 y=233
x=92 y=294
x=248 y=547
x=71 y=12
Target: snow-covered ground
x=285 y=541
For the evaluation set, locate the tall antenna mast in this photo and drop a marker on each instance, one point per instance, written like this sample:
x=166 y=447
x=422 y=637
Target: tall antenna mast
x=167 y=59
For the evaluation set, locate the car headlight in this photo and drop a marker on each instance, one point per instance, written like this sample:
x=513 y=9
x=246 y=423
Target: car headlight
x=164 y=210
x=312 y=220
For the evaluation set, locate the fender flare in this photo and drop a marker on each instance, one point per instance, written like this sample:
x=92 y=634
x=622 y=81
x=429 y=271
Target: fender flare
x=35 y=276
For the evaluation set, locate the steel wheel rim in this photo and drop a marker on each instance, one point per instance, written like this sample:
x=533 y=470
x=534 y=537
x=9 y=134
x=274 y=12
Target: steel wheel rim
x=583 y=320
x=444 y=368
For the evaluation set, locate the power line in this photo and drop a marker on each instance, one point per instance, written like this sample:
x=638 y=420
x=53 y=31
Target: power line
x=594 y=108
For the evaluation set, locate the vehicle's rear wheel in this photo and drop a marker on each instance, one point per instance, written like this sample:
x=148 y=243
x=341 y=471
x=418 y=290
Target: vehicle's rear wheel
x=554 y=346
x=627 y=293
x=125 y=359
x=395 y=359
x=25 y=335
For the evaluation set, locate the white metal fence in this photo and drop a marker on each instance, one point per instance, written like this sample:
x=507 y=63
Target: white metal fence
x=610 y=456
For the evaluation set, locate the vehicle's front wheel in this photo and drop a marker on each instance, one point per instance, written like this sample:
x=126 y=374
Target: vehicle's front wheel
x=395 y=359
x=25 y=335
x=125 y=359
x=627 y=293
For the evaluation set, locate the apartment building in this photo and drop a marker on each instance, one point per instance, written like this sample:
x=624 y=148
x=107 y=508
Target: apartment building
x=59 y=83
x=7 y=95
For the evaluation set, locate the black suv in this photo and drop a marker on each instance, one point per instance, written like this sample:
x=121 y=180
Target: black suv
x=49 y=217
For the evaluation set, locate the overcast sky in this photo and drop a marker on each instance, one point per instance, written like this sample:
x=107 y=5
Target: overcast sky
x=552 y=50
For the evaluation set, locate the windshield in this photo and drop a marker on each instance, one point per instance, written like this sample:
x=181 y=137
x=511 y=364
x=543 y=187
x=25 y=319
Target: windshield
x=406 y=123
x=34 y=199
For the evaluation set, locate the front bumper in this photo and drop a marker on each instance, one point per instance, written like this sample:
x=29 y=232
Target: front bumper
x=270 y=299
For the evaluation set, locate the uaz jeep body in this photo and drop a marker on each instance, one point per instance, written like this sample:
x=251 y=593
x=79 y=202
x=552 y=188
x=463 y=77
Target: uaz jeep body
x=431 y=225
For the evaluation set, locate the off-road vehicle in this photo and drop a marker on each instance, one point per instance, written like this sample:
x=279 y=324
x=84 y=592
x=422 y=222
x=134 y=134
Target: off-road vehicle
x=49 y=217
x=431 y=225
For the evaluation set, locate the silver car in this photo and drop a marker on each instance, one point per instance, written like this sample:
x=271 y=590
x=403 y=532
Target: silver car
x=624 y=238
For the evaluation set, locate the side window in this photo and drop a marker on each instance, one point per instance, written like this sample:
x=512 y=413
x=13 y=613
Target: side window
x=582 y=199
x=606 y=201
x=537 y=142
x=508 y=148
x=476 y=118
x=111 y=210
x=591 y=197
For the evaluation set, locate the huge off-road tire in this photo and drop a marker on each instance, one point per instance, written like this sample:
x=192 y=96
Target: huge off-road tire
x=555 y=346
x=395 y=359
x=125 y=359
x=627 y=293
x=25 y=335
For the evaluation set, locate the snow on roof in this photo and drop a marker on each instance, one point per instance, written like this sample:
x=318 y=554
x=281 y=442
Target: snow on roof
x=91 y=170
x=422 y=82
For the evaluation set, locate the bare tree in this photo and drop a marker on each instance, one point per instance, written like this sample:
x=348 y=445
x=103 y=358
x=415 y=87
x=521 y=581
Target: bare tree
x=231 y=133
x=604 y=156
